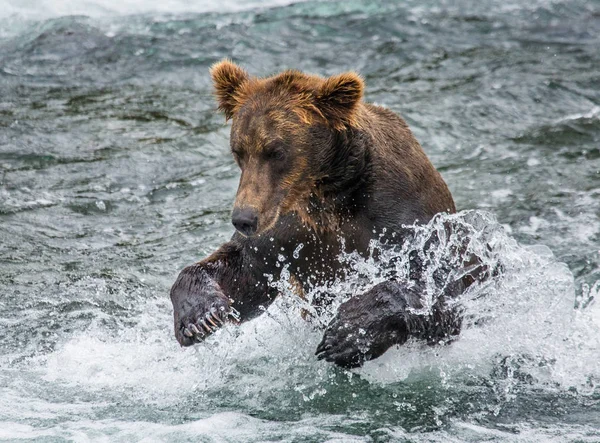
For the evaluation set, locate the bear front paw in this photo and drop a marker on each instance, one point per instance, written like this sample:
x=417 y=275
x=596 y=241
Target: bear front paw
x=345 y=345
x=364 y=328
x=199 y=306
x=350 y=345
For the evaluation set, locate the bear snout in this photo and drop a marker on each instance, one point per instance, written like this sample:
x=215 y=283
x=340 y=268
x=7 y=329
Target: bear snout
x=245 y=220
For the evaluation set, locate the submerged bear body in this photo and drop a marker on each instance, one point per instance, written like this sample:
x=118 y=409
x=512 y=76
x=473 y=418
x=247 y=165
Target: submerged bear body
x=322 y=169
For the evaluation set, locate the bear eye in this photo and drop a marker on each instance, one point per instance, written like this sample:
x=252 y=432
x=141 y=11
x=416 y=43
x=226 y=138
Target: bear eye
x=275 y=154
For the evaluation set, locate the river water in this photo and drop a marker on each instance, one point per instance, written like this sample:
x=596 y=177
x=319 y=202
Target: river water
x=115 y=174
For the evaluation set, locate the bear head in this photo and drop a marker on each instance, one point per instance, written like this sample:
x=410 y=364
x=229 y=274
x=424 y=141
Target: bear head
x=285 y=137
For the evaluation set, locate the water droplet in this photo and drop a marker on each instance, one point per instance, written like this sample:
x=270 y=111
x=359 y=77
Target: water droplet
x=296 y=252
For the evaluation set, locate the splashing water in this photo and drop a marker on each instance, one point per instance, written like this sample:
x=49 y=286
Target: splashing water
x=524 y=319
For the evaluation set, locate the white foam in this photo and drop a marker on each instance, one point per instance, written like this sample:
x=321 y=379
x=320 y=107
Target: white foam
x=45 y=9
x=593 y=114
x=141 y=359
x=461 y=432
x=147 y=361
x=25 y=198
x=220 y=427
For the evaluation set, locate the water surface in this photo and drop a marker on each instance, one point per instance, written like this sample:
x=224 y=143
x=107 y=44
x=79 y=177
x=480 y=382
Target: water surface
x=115 y=174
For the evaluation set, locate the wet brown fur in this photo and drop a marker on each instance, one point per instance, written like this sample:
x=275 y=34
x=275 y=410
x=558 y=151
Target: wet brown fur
x=290 y=103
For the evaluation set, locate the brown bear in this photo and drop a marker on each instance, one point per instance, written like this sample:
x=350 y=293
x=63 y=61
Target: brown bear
x=321 y=168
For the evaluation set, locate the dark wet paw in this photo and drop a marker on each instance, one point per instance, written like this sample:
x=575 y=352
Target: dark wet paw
x=199 y=306
x=344 y=345
x=364 y=328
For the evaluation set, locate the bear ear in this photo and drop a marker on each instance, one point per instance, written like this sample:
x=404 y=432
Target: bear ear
x=338 y=98
x=227 y=78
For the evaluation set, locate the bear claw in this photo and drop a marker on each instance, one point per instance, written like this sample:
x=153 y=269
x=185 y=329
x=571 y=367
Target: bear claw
x=214 y=315
x=235 y=314
x=205 y=325
x=192 y=327
x=208 y=324
x=323 y=346
x=210 y=321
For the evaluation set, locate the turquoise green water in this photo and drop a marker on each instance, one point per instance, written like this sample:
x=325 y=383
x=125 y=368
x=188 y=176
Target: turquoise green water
x=115 y=174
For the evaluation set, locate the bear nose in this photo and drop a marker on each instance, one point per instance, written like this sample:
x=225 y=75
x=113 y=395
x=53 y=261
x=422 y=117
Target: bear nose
x=245 y=220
